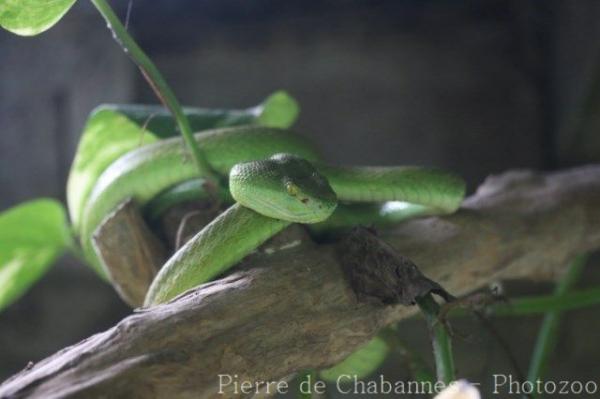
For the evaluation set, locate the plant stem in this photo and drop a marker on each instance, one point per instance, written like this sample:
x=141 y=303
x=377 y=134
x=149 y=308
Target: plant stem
x=548 y=334
x=442 y=346
x=532 y=305
x=158 y=84
x=542 y=304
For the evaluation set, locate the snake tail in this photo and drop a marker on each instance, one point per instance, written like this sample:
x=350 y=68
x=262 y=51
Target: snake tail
x=218 y=246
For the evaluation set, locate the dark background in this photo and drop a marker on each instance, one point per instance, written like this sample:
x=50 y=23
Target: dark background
x=477 y=87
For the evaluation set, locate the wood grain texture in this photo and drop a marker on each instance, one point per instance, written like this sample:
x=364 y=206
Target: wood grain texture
x=131 y=253
x=295 y=309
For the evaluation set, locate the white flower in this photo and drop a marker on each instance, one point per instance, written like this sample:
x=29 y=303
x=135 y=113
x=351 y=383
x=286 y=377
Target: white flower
x=460 y=389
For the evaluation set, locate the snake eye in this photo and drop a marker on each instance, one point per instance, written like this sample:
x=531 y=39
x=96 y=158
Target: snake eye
x=291 y=188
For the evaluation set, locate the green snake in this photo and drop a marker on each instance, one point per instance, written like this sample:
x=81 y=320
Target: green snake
x=274 y=176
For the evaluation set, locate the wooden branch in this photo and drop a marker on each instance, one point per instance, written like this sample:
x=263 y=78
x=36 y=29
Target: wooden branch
x=131 y=252
x=295 y=309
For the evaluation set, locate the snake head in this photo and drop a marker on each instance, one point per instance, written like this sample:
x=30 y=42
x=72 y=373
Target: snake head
x=284 y=187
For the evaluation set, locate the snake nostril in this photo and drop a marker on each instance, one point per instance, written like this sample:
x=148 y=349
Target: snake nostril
x=304 y=200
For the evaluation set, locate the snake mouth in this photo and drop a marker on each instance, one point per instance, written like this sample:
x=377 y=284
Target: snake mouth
x=308 y=215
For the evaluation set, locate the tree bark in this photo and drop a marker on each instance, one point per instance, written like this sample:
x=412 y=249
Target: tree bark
x=131 y=252
x=295 y=309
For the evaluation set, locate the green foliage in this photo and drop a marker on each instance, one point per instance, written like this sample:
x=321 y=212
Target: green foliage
x=32 y=236
x=31 y=17
x=548 y=334
x=361 y=363
x=278 y=110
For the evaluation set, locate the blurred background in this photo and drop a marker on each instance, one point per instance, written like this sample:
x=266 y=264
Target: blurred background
x=477 y=87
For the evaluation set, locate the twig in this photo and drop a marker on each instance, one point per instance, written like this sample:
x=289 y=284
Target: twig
x=489 y=326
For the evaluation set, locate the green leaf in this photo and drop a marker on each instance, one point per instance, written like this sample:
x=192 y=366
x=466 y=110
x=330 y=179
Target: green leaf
x=361 y=363
x=31 y=17
x=279 y=110
x=32 y=236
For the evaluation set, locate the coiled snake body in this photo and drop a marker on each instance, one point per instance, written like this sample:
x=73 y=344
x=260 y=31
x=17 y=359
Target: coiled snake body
x=275 y=177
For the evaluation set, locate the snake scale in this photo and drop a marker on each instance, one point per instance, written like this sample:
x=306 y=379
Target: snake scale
x=275 y=177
